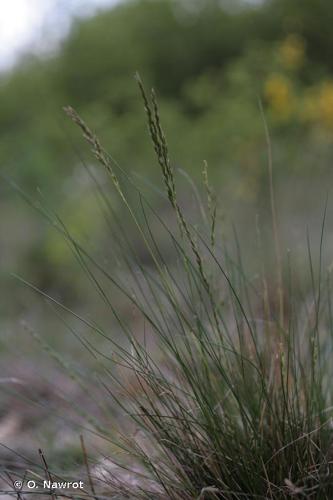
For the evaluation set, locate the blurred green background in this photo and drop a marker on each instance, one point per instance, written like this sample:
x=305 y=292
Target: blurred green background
x=211 y=63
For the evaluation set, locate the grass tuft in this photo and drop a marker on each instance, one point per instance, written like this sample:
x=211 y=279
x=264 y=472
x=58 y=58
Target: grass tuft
x=227 y=399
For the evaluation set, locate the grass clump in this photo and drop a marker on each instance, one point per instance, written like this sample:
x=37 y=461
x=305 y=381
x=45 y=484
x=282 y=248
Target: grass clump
x=226 y=382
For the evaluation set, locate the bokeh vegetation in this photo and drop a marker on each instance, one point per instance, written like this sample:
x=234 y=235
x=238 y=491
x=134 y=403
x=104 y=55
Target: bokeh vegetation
x=210 y=62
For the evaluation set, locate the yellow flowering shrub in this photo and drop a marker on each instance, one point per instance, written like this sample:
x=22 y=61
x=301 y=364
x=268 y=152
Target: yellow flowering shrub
x=279 y=96
x=292 y=52
x=317 y=106
x=325 y=105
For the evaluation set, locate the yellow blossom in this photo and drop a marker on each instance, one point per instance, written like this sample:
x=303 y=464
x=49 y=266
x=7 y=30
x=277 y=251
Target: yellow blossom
x=292 y=52
x=278 y=93
x=325 y=105
x=317 y=105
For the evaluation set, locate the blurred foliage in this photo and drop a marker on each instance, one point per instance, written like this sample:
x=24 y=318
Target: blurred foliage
x=210 y=61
